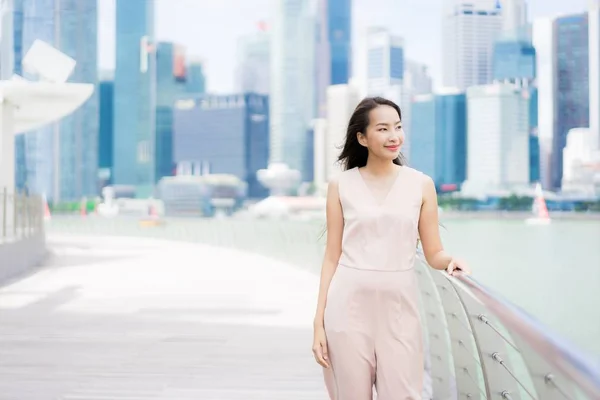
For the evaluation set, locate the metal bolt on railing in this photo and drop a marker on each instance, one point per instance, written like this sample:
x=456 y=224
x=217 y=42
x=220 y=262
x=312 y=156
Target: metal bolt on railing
x=551 y=381
x=506 y=395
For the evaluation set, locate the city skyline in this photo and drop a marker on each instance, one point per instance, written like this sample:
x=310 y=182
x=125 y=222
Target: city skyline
x=180 y=20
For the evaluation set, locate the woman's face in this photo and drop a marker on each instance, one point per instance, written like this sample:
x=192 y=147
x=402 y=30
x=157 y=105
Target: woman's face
x=384 y=136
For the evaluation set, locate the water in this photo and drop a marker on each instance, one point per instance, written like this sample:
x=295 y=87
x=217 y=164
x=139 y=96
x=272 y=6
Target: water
x=552 y=272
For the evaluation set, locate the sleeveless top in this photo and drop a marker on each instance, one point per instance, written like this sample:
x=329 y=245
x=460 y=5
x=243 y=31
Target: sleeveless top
x=382 y=236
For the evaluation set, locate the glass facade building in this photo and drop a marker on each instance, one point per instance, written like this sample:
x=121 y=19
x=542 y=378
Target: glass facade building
x=105 y=135
x=227 y=134
x=439 y=138
x=339 y=35
x=61 y=159
x=134 y=161
x=513 y=59
x=572 y=85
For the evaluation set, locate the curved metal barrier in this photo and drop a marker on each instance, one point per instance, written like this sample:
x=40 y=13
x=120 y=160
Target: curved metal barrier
x=22 y=237
x=479 y=345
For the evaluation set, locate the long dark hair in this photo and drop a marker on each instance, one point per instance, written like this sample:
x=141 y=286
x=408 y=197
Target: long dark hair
x=353 y=153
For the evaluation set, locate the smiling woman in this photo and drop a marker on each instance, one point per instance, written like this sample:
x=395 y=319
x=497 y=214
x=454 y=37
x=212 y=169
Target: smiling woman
x=367 y=328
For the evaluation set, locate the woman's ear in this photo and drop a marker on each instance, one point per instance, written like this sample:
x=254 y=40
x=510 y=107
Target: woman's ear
x=362 y=139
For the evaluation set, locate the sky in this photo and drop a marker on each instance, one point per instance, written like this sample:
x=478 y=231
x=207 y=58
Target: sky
x=209 y=29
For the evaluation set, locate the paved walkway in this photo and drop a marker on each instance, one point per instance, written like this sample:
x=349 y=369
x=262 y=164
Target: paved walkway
x=139 y=319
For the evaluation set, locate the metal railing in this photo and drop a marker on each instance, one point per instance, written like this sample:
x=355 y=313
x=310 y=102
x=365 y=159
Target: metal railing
x=21 y=216
x=479 y=345
x=497 y=350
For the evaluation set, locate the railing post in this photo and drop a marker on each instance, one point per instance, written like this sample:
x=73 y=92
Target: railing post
x=15 y=214
x=4 y=216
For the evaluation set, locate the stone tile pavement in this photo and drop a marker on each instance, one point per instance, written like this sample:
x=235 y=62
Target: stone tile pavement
x=110 y=318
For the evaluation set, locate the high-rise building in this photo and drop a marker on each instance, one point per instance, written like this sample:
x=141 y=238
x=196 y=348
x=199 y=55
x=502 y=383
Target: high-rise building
x=341 y=103
x=385 y=61
x=106 y=128
x=497 y=139
x=544 y=41
x=572 y=85
x=469 y=32
x=439 y=137
x=292 y=98
x=61 y=159
x=594 y=67
x=417 y=78
x=514 y=61
x=226 y=134
x=195 y=79
x=253 y=60
x=11 y=37
x=514 y=18
x=171 y=84
x=581 y=161
x=134 y=161
x=334 y=47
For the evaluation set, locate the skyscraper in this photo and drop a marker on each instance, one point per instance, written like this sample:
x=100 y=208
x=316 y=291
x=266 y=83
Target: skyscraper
x=254 y=56
x=334 y=46
x=292 y=99
x=439 y=137
x=61 y=159
x=572 y=91
x=135 y=96
x=227 y=134
x=594 y=68
x=497 y=139
x=195 y=80
x=469 y=32
x=385 y=61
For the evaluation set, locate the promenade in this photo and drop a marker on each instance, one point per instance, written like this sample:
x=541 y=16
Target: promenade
x=112 y=318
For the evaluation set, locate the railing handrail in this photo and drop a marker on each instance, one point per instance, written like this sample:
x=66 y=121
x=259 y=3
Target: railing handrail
x=553 y=349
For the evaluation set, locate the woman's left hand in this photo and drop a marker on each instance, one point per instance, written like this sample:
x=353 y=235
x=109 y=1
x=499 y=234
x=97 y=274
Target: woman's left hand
x=457 y=266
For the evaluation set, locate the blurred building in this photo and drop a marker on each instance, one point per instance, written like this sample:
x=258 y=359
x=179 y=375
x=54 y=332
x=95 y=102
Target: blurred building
x=385 y=61
x=497 y=139
x=61 y=160
x=572 y=90
x=201 y=196
x=134 y=160
x=581 y=163
x=225 y=134
x=334 y=47
x=171 y=84
x=514 y=61
x=11 y=38
x=469 y=32
x=439 y=137
x=11 y=54
x=544 y=41
x=195 y=80
x=253 y=62
x=417 y=78
x=341 y=103
x=594 y=67
x=106 y=128
x=292 y=92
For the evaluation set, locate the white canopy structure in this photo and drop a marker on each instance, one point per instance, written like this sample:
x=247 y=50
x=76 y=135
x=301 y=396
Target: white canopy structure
x=27 y=105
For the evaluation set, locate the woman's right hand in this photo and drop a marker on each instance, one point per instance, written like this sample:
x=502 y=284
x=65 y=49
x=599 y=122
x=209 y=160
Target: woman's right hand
x=320 y=347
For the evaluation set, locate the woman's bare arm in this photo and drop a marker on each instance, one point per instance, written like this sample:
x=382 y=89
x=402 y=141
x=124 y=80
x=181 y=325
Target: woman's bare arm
x=333 y=250
x=429 y=230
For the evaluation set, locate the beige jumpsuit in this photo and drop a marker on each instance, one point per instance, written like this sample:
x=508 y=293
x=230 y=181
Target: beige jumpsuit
x=372 y=319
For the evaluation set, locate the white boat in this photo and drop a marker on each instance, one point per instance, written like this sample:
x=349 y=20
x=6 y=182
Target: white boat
x=539 y=209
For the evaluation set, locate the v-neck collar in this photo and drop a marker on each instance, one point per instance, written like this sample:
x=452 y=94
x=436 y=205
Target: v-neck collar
x=387 y=195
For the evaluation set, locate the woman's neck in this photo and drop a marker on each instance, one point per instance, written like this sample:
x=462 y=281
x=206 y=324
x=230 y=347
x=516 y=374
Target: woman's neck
x=378 y=167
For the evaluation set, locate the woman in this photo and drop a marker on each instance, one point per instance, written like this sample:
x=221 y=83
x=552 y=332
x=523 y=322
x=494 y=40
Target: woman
x=367 y=329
